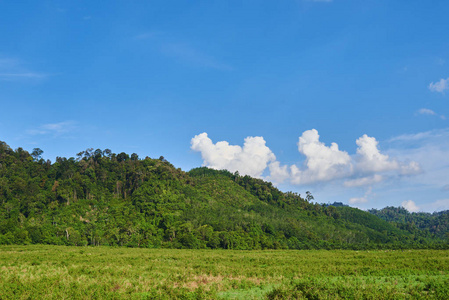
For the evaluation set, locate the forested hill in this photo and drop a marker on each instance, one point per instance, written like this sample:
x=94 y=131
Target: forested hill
x=435 y=224
x=103 y=198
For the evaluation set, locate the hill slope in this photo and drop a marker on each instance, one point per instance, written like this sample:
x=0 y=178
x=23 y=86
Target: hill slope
x=435 y=225
x=102 y=198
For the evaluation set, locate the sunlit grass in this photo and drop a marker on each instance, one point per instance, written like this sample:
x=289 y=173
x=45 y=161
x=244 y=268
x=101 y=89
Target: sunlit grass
x=58 y=272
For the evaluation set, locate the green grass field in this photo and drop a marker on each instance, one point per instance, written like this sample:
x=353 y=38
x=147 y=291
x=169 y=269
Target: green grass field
x=60 y=272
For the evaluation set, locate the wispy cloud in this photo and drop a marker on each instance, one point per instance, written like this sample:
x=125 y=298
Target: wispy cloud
x=54 y=129
x=368 y=180
x=439 y=86
x=438 y=205
x=28 y=75
x=14 y=70
x=360 y=200
x=147 y=35
x=440 y=61
x=426 y=111
x=7 y=62
x=431 y=134
x=429 y=112
x=431 y=150
x=188 y=54
x=182 y=51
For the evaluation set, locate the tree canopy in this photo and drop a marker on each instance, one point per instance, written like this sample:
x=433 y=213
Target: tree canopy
x=104 y=198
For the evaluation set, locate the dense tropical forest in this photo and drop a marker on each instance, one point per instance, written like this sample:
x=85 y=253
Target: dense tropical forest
x=435 y=224
x=104 y=198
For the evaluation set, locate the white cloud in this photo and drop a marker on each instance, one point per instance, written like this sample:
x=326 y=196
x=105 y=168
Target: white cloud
x=182 y=51
x=53 y=128
x=322 y=163
x=13 y=70
x=429 y=112
x=278 y=173
x=420 y=136
x=26 y=75
x=439 y=205
x=356 y=200
x=57 y=127
x=439 y=86
x=8 y=63
x=187 y=54
x=431 y=150
x=368 y=180
x=369 y=157
x=412 y=168
x=426 y=111
x=148 y=35
x=410 y=206
x=370 y=160
x=364 y=199
x=251 y=160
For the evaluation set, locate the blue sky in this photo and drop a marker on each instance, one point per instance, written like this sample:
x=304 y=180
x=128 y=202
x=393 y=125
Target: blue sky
x=262 y=87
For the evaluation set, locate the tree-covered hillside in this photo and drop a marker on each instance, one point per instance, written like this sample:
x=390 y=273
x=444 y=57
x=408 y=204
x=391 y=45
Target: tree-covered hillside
x=103 y=198
x=425 y=224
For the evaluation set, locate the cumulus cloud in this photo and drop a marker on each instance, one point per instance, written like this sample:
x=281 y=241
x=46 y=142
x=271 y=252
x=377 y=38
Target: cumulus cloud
x=251 y=160
x=278 y=173
x=412 y=168
x=439 y=86
x=369 y=157
x=322 y=163
x=370 y=160
x=410 y=206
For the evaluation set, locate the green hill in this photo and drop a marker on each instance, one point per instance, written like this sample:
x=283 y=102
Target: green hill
x=435 y=225
x=103 y=198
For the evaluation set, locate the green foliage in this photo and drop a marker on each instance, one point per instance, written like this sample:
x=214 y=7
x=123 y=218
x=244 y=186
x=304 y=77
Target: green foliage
x=434 y=225
x=103 y=198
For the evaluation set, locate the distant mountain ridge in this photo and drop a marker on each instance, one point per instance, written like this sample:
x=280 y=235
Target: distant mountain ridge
x=103 y=198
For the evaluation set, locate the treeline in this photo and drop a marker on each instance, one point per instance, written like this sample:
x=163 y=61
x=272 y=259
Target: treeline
x=103 y=198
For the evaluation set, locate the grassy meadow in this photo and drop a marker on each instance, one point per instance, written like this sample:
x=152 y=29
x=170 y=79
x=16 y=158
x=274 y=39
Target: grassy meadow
x=62 y=272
